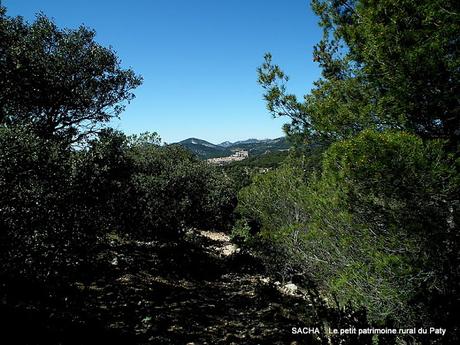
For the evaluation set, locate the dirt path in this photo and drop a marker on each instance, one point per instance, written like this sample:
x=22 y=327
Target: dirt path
x=204 y=291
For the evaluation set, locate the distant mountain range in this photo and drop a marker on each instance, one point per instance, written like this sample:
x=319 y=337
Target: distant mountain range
x=205 y=149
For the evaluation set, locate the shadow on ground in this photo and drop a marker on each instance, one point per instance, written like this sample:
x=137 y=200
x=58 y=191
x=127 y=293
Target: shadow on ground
x=152 y=293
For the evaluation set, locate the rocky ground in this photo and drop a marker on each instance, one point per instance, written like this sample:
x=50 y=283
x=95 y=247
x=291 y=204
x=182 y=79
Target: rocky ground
x=203 y=290
x=207 y=292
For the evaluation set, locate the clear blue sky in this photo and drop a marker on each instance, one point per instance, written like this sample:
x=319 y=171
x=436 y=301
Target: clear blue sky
x=198 y=59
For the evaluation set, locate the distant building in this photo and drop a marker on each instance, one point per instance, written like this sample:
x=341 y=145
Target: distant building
x=236 y=156
x=242 y=153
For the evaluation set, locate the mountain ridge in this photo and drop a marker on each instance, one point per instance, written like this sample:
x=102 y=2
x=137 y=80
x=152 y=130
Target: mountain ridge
x=204 y=149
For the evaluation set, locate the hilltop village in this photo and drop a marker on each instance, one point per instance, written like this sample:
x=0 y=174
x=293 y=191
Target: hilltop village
x=237 y=156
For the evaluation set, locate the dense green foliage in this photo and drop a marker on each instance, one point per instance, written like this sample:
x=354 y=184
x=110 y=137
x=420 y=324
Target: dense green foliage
x=366 y=205
x=173 y=190
x=66 y=181
x=265 y=160
x=375 y=217
x=42 y=226
x=372 y=212
x=385 y=64
x=374 y=226
x=59 y=82
x=386 y=198
x=56 y=202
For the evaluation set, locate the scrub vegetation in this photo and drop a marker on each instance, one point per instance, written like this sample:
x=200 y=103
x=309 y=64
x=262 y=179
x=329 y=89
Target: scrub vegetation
x=106 y=237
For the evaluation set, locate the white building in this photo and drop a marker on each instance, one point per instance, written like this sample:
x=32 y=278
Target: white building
x=236 y=156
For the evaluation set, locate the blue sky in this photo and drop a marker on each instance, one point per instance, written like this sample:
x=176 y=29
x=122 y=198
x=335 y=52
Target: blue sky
x=198 y=59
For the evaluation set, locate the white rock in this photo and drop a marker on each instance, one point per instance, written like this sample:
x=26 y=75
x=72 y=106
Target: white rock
x=265 y=280
x=289 y=289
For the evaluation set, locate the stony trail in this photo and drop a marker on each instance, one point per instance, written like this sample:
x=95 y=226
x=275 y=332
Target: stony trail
x=203 y=290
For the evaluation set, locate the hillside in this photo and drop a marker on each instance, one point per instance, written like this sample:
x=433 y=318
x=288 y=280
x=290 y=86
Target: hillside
x=265 y=160
x=205 y=149
x=257 y=147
